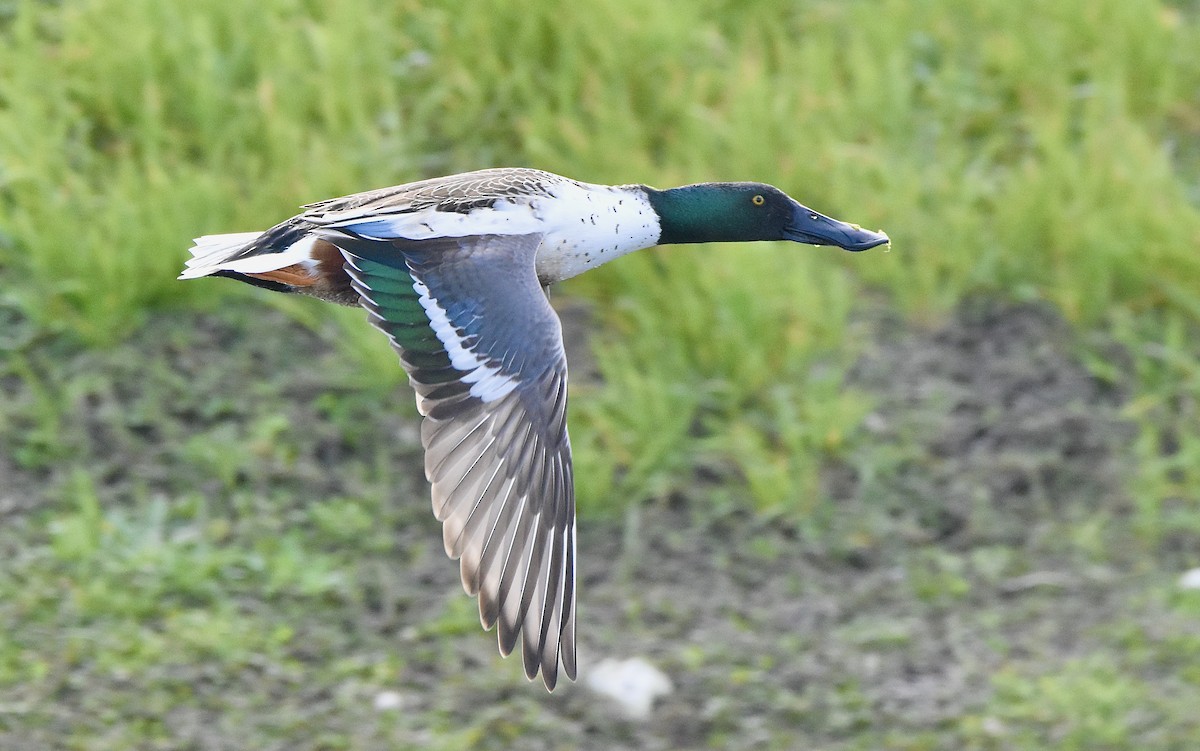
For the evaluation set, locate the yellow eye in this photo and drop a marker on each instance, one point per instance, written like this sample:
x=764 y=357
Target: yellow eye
x=758 y=200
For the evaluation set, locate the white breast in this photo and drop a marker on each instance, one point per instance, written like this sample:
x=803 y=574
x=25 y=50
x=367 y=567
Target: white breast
x=589 y=225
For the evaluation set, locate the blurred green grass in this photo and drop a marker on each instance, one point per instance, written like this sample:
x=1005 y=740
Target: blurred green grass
x=1041 y=151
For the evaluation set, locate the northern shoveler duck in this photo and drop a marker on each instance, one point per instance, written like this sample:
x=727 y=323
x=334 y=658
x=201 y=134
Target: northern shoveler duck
x=453 y=270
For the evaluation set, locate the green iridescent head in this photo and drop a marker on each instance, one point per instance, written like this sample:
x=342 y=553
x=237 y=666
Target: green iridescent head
x=743 y=212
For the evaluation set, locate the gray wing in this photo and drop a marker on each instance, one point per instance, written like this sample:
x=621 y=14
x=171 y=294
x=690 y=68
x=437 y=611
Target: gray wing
x=483 y=350
x=461 y=193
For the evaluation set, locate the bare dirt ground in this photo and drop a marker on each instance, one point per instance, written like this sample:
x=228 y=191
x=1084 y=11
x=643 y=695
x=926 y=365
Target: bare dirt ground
x=970 y=546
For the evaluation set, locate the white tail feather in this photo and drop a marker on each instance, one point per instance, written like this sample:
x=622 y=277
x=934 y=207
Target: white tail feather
x=212 y=253
x=211 y=250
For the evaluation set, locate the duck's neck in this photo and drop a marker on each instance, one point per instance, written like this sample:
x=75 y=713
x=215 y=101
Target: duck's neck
x=702 y=213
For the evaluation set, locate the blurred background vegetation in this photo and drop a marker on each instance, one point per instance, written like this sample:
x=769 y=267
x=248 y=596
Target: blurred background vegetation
x=169 y=538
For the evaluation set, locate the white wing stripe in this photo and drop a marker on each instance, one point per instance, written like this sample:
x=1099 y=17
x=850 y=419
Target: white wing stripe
x=488 y=382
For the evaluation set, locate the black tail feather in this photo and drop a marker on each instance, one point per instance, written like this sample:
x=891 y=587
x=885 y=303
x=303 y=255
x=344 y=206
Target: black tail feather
x=264 y=283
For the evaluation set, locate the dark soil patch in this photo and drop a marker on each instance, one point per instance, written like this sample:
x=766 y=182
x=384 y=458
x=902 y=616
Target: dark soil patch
x=1005 y=428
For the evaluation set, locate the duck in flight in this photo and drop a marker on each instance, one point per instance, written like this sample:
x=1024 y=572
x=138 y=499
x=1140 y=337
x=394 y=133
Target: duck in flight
x=454 y=271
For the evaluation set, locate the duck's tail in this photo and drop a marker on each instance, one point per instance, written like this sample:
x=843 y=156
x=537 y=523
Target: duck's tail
x=294 y=261
x=213 y=253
